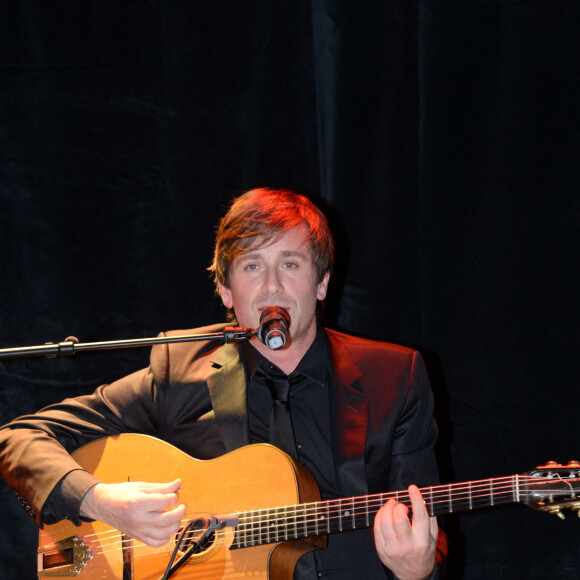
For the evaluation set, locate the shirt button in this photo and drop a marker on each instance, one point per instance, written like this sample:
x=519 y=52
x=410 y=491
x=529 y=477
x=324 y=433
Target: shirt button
x=299 y=446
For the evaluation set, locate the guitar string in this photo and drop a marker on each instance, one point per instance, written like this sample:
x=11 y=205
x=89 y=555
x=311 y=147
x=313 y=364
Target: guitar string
x=370 y=504
x=372 y=501
x=437 y=495
x=368 y=501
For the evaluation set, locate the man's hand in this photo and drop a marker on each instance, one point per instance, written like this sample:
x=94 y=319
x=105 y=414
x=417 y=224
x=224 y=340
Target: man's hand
x=147 y=512
x=406 y=548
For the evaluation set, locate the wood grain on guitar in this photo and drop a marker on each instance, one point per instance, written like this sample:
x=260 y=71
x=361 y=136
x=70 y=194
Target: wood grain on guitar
x=258 y=510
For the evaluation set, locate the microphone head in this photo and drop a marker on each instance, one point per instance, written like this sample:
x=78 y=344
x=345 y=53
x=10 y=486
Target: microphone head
x=274 y=324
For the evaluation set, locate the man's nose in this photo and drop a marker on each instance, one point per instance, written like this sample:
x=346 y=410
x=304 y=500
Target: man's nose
x=272 y=282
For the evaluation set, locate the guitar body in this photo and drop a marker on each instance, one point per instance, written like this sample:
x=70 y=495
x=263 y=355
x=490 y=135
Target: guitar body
x=250 y=478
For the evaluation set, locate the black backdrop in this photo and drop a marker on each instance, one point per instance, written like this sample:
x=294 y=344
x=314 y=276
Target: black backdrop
x=441 y=136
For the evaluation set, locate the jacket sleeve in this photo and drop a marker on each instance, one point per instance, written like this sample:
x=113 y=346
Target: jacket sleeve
x=35 y=449
x=413 y=456
x=413 y=459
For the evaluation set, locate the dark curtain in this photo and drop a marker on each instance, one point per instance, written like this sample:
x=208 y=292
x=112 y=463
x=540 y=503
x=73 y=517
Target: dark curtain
x=440 y=136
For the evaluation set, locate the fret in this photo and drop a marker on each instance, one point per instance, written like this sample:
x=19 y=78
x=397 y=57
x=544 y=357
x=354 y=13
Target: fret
x=269 y=524
x=367 y=519
x=250 y=529
x=287 y=523
x=491 y=491
x=300 y=522
x=361 y=513
x=276 y=524
x=241 y=535
x=254 y=523
x=321 y=523
x=461 y=503
x=516 y=485
x=505 y=492
x=450 y=495
x=262 y=532
x=279 y=523
x=334 y=517
x=294 y=530
x=470 y=496
x=244 y=531
x=431 y=504
x=310 y=521
x=350 y=515
x=325 y=517
x=480 y=499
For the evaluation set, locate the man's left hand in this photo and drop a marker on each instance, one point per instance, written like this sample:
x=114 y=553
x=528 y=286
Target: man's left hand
x=406 y=547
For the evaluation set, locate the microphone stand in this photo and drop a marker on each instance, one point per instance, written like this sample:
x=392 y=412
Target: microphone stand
x=71 y=344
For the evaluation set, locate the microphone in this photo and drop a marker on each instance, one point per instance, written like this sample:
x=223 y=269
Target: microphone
x=274 y=325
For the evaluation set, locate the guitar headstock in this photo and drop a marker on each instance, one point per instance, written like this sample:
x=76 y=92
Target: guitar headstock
x=552 y=487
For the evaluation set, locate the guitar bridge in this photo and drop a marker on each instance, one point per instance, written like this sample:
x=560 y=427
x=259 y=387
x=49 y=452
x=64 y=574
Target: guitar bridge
x=65 y=558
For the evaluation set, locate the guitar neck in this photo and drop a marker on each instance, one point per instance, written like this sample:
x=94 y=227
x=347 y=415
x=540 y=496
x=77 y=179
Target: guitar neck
x=280 y=524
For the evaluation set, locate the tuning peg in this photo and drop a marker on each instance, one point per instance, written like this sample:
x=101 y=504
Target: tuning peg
x=555 y=510
x=573 y=463
x=550 y=465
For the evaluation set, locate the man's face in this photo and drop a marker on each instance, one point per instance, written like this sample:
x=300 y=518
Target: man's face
x=281 y=273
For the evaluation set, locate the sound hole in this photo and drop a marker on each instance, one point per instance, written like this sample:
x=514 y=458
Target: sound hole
x=195 y=537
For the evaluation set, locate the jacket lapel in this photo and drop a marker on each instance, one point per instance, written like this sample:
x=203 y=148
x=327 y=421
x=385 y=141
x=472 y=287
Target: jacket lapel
x=227 y=388
x=349 y=419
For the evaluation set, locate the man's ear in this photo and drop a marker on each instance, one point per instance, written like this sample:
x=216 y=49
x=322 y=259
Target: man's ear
x=226 y=295
x=322 y=287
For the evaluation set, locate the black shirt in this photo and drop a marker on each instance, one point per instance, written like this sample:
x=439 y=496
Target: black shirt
x=309 y=405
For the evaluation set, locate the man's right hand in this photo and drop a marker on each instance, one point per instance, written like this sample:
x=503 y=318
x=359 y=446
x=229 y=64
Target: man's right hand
x=148 y=512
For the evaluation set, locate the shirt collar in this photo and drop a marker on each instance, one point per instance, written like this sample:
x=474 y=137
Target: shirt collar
x=313 y=364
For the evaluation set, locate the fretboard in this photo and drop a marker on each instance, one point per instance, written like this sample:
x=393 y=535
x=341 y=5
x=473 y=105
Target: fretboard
x=280 y=524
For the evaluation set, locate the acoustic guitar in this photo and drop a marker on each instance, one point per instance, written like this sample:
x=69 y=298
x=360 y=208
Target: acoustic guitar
x=256 y=512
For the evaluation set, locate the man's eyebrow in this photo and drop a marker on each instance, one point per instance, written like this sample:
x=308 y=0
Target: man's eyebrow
x=292 y=253
x=253 y=254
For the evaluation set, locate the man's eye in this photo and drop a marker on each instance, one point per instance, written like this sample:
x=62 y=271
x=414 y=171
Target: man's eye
x=252 y=267
x=290 y=265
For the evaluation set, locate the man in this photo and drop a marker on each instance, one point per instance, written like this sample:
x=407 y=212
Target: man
x=361 y=411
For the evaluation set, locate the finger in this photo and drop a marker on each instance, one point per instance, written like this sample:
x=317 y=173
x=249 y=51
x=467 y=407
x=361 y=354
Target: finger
x=163 y=518
x=421 y=519
x=164 y=487
x=433 y=528
x=161 y=496
x=171 y=518
x=158 y=527
x=401 y=522
x=154 y=502
x=390 y=517
x=153 y=537
x=384 y=517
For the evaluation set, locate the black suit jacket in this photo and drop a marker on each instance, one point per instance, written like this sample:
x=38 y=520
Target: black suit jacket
x=193 y=395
